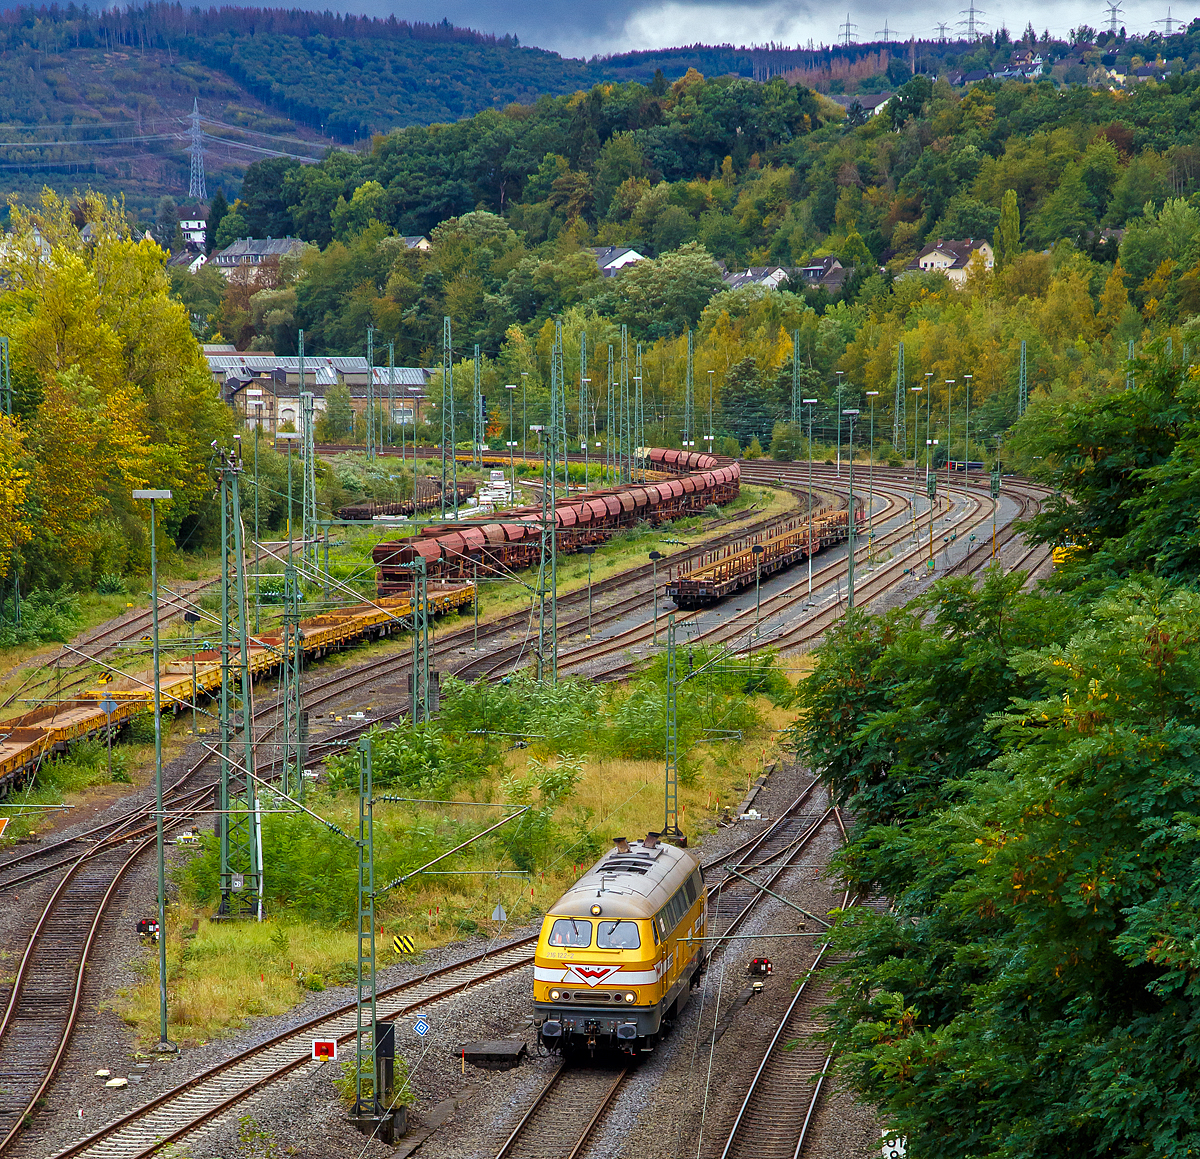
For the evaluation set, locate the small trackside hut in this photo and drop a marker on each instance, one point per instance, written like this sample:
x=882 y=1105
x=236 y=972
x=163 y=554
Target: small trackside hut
x=613 y=963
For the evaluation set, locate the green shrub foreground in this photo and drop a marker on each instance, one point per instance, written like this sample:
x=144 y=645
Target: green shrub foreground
x=312 y=870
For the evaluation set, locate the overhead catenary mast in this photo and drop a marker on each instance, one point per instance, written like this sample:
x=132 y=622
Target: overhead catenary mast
x=240 y=834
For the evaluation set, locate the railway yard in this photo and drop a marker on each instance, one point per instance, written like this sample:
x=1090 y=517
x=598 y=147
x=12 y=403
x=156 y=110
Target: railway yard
x=737 y=1075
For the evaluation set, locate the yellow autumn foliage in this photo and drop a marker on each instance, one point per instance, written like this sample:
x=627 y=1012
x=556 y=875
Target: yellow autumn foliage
x=122 y=397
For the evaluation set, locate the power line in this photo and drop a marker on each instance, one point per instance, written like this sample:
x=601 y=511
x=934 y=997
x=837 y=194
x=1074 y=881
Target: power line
x=260 y=133
x=885 y=32
x=847 y=30
x=941 y=32
x=1114 y=11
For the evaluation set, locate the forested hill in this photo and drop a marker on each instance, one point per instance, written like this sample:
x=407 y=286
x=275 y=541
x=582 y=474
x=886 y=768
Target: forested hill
x=345 y=76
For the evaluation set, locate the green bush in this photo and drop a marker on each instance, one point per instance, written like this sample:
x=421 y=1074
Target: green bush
x=45 y=616
x=141 y=727
x=558 y=718
x=422 y=761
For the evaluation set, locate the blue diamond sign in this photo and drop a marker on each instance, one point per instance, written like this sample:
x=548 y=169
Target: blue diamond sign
x=421 y=1027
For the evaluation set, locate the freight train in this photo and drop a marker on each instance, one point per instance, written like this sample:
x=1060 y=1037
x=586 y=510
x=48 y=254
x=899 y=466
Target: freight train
x=737 y=568
x=42 y=733
x=677 y=484
x=617 y=958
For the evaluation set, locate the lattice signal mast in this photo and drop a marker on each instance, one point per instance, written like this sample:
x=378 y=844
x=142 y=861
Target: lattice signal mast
x=1115 y=11
x=847 y=31
x=196 y=190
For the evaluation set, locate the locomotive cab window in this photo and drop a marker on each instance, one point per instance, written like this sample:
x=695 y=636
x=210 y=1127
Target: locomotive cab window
x=571 y=932
x=618 y=936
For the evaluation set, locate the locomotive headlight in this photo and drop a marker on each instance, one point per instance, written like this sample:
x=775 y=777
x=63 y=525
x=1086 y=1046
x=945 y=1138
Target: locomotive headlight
x=631 y=997
x=553 y=995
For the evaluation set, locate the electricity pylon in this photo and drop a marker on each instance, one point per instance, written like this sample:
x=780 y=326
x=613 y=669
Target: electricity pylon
x=972 y=23
x=196 y=188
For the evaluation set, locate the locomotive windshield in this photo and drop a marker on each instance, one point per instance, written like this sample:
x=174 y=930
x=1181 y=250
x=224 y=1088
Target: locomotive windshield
x=618 y=936
x=572 y=932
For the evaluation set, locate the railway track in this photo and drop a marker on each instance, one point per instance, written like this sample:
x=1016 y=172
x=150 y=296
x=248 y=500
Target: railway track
x=223 y=1089
x=204 y=1098
x=775 y=1116
x=38 y=1019
x=566 y=1112
x=571 y=1106
x=44 y=999
x=96 y=873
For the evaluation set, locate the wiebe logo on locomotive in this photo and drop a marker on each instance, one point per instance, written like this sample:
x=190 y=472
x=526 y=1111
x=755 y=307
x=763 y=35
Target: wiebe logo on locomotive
x=592 y=975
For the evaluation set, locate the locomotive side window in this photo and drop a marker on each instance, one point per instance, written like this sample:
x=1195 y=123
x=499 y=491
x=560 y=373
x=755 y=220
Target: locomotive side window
x=618 y=936
x=571 y=932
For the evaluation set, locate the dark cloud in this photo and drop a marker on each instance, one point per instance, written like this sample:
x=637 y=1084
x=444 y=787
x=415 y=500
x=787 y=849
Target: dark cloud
x=585 y=27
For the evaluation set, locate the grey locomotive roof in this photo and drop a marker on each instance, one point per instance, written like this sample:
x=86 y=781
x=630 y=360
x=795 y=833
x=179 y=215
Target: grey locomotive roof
x=636 y=884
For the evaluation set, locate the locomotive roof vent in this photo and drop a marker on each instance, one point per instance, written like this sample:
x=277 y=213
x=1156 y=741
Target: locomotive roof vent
x=622 y=844
x=651 y=840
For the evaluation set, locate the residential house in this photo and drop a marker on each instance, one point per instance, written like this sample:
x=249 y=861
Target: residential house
x=415 y=242
x=872 y=103
x=190 y=259
x=950 y=256
x=249 y=254
x=194 y=230
x=770 y=276
x=613 y=258
x=826 y=273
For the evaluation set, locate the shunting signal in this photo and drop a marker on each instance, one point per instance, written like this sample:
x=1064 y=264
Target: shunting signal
x=403 y=944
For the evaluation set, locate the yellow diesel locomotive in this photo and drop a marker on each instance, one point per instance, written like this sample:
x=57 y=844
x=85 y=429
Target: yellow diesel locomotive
x=613 y=960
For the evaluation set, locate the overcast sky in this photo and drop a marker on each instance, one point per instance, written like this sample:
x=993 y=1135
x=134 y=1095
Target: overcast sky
x=585 y=27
